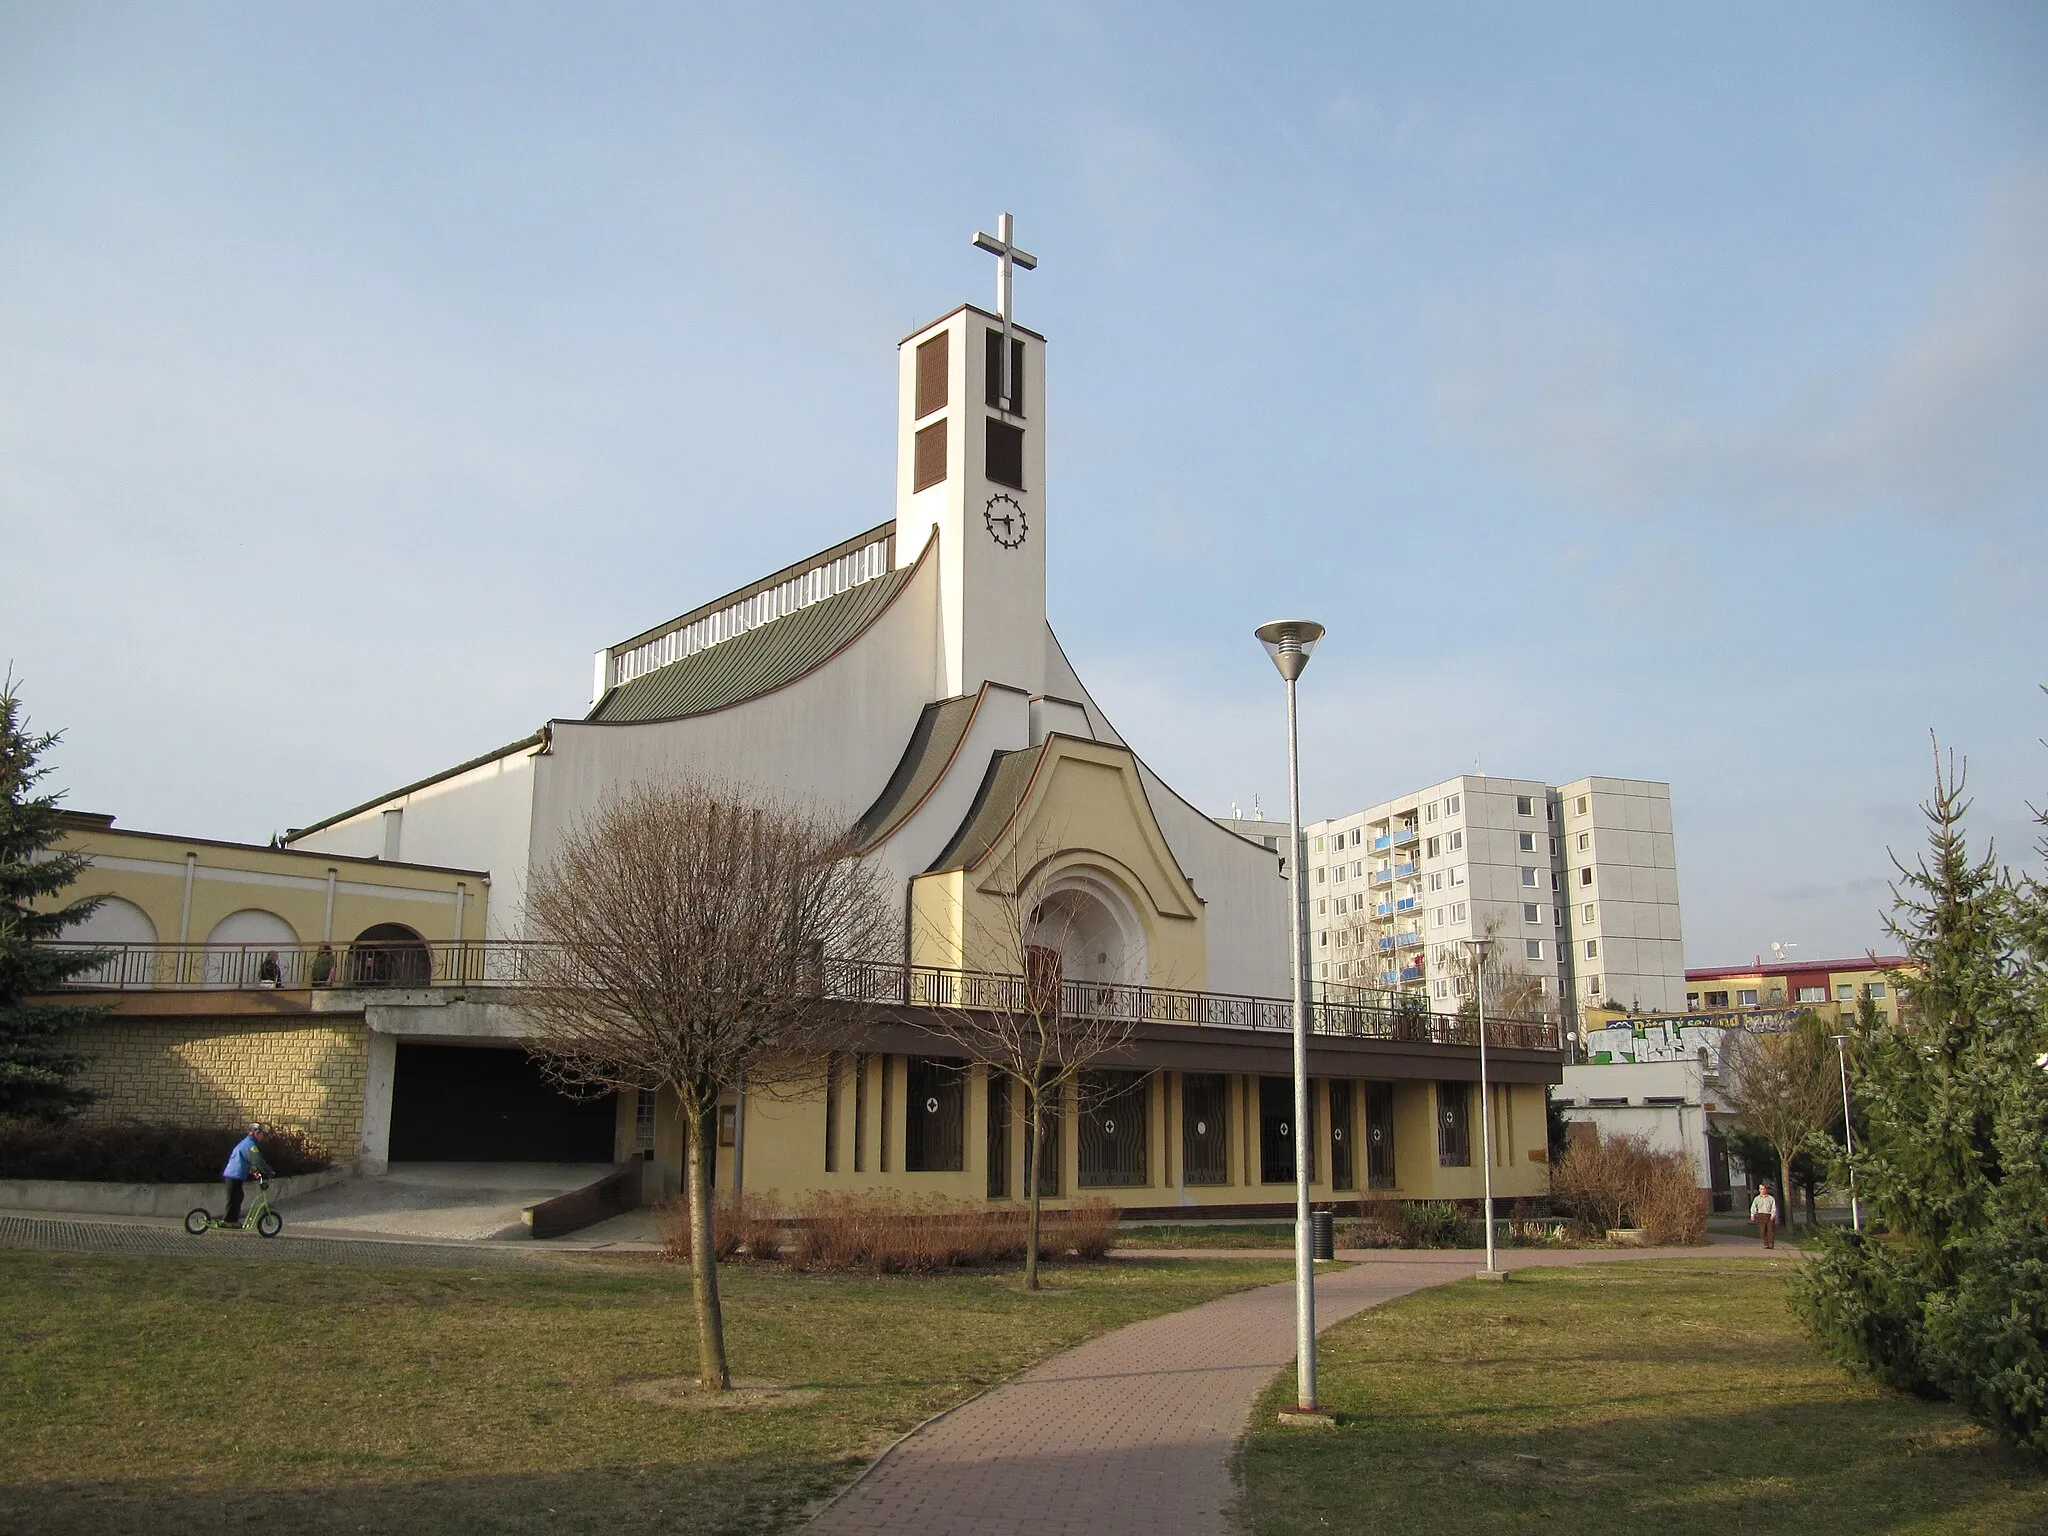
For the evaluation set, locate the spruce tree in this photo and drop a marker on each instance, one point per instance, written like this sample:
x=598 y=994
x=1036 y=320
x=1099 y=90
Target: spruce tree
x=35 y=1071
x=1952 y=1298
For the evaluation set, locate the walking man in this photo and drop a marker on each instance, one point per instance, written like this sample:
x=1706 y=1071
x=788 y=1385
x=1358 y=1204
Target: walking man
x=244 y=1163
x=1763 y=1211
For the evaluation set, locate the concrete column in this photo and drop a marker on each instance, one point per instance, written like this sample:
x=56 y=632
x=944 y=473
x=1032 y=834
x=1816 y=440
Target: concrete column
x=380 y=1074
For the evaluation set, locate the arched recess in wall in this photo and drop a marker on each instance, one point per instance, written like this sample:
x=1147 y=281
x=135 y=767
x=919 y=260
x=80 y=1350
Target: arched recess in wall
x=251 y=947
x=389 y=955
x=1086 y=916
x=115 y=921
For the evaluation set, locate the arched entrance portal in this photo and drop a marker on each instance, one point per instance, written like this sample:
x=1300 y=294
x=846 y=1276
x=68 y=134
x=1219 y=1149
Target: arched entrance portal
x=389 y=955
x=1085 y=918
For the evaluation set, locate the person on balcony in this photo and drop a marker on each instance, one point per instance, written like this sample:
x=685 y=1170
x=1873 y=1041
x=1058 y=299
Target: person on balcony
x=269 y=973
x=323 y=965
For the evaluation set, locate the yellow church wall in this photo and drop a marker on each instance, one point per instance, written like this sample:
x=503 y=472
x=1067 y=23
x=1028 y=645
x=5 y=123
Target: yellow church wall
x=785 y=1129
x=1085 y=812
x=149 y=871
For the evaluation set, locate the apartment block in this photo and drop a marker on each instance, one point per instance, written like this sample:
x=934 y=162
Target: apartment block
x=1576 y=884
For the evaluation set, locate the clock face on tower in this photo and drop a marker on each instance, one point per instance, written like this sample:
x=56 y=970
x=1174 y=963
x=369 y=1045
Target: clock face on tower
x=1005 y=520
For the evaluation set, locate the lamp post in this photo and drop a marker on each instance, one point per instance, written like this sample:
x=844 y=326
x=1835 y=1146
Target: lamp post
x=1290 y=642
x=1848 y=1135
x=1477 y=948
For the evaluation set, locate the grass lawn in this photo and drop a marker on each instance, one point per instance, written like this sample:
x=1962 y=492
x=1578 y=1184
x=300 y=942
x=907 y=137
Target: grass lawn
x=150 y=1395
x=1672 y=1397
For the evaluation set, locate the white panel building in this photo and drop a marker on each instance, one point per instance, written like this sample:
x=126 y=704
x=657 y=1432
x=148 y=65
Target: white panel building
x=1577 y=884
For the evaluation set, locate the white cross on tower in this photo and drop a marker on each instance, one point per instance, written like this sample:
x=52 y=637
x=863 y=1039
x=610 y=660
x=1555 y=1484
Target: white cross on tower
x=1002 y=245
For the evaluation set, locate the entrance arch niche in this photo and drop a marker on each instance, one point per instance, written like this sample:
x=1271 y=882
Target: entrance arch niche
x=389 y=955
x=1085 y=917
x=113 y=922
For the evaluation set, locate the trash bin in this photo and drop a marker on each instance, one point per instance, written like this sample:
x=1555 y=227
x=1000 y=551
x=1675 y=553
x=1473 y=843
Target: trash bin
x=1322 y=1235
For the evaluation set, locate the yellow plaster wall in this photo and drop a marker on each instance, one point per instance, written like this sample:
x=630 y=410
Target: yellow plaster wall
x=785 y=1147
x=226 y=1072
x=148 y=870
x=1086 y=810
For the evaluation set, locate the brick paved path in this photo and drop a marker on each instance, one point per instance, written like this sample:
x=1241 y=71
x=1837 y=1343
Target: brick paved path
x=1134 y=1432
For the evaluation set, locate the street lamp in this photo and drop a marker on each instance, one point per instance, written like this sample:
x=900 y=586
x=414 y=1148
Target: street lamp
x=1477 y=949
x=1848 y=1135
x=1290 y=642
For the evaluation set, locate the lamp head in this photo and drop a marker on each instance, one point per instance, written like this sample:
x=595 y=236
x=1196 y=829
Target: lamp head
x=1290 y=642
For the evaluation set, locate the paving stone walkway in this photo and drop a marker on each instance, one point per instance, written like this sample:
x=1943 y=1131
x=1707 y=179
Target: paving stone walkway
x=1134 y=1432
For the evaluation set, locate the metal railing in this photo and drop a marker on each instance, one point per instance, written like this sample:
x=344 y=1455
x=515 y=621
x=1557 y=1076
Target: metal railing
x=873 y=983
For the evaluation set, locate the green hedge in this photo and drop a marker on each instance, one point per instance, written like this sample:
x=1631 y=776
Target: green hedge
x=136 y=1152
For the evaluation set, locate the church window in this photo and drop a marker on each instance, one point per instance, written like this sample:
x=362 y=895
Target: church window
x=928 y=458
x=932 y=359
x=935 y=1128
x=1453 y=1125
x=1003 y=458
x=643 y=1121
x=993 y=355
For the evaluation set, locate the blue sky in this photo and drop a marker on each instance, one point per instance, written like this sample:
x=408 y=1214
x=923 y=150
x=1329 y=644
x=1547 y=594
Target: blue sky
x=1658 y=395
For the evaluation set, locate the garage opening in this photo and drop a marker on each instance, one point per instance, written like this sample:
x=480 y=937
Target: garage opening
x=468 y=1104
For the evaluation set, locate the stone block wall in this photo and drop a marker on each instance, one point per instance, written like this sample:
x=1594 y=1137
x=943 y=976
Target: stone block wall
x=230 y=1071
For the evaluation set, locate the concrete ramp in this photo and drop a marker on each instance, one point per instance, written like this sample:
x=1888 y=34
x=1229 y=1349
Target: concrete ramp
x=473 y=1201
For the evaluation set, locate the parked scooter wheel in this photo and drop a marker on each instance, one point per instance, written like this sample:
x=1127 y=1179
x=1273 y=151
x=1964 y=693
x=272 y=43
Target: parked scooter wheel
x=197 y=1220
x=269 y=1224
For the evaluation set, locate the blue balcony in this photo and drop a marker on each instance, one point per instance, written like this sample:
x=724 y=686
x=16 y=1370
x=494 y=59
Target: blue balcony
x=1405 y=904
x=1381 y=877
x=1382 y=844
x=1405 y=869
x=1408 y=940
x=1405 y=835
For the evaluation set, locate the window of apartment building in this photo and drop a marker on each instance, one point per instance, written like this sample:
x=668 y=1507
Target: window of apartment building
x=1357 y=835
x=1322 y=906
x=1339 y=875
x=1586 y=875
x=1526 y=842
x=1844 y=992
x=1592 y=949
x=1692 y=1002
x=1812 y=995
x=1582 y=805
x=1436 y=917
x=1323 y=972
x=1532 y=948
x=1746 y=997
x=1323 y=939
x=1877 y=989
x=1457 y=911
x=1457 y=841
x=1319 y=845
x=1585 y=841
x=1554 y=878
x=1458 y=875
x=1320 y=873
x=1717 y=999
x=1525 y=805
x=1452 y=804
x=1592 y=986
x=1437 y=987
x=1550 y=810
x=1529 y=877
x=1586 y=912
x=1343 y=938
x=1433 y=848
x=1436 y=881
x=1531 y=913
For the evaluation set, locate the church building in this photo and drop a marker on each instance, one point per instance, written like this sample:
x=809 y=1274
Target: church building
x=906 y=681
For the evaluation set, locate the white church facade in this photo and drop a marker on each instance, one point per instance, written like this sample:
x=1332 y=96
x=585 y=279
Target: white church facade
x=907 y=683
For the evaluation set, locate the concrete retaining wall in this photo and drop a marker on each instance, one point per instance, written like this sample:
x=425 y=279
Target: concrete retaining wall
x=146 y=1199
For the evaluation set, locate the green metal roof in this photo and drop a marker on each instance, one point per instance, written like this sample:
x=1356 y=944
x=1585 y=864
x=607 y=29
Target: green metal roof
x=1002 y=791
x=940 y=730
x=757 y=662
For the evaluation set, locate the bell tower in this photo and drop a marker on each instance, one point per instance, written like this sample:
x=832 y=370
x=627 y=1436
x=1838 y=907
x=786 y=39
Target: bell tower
x=970 y=462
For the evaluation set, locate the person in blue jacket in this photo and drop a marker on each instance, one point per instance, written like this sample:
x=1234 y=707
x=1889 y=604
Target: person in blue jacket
x=245 y=1162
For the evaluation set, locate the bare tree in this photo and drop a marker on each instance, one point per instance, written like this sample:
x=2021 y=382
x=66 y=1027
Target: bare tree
x=1784 y=1087
x=681 y=932
x=1025 y=1021
x=1513 y=991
